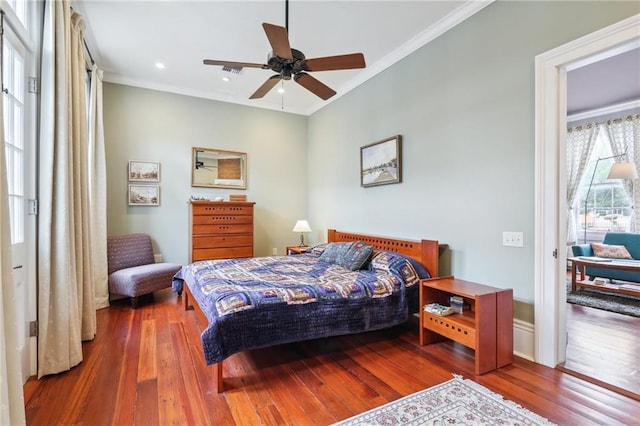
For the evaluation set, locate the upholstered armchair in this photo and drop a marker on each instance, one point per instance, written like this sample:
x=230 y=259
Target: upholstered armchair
x=132 y=268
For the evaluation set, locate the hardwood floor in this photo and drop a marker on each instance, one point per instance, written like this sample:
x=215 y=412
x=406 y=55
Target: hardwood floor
x=146 y=366
x=604 y=346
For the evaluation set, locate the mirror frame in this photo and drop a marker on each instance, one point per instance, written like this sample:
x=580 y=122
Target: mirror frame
x=197 y=163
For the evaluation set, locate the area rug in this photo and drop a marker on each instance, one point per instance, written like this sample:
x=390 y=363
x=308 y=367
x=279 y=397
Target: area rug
x=456 y=402
x=593 y=298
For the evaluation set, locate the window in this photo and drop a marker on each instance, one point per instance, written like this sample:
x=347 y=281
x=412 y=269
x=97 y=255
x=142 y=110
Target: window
x=609 y=205
x=20 y=10
x=13 y=85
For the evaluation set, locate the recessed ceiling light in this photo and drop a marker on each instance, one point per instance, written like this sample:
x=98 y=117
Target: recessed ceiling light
x=160 y=65
x=281 y=90
x=226 y=79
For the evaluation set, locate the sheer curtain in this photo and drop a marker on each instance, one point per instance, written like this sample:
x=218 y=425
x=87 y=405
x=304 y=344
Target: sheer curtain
x=624 y=135
x=98 y=191
x=580 y=143
x=66 y=278
x=11 y=401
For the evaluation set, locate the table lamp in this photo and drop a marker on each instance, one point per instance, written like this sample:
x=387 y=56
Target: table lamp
x=302 y=226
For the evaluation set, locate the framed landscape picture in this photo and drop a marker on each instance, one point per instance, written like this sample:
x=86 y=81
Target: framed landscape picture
x=144 y=171
x=144 y=195
x=381 y=162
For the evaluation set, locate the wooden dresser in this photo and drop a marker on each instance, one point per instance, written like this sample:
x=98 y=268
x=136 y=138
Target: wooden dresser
x=221 y=230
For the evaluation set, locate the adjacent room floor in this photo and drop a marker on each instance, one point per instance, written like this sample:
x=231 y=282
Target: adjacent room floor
x=604 y=346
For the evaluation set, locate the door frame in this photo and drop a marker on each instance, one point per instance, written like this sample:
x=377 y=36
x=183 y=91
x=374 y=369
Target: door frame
x=550 y=178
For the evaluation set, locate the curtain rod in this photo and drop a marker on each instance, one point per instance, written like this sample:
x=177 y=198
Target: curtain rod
x=88 y=51
x=84 y=41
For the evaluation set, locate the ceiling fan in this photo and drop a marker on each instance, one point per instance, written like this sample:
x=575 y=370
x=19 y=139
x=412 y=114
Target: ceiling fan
x=288 y=62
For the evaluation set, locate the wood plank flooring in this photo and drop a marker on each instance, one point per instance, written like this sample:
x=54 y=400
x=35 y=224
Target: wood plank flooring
x=604 y=346
x=146 y=367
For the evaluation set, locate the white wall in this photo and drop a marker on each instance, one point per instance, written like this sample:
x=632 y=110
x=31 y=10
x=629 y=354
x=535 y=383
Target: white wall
x=464 y=105
x=143 y=124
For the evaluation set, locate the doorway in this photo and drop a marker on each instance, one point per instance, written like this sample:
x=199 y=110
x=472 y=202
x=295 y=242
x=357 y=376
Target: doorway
x=550 y=178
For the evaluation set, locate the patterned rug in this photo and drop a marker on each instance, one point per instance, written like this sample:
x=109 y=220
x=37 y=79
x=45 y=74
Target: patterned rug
x=456 y=402
x=620 y=303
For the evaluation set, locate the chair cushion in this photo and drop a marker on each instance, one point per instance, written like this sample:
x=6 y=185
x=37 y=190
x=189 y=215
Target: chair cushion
x=143 y=279
x=127 y=250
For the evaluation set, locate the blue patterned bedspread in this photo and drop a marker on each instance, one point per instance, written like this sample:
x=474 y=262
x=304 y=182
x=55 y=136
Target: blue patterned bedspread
x=264 y=301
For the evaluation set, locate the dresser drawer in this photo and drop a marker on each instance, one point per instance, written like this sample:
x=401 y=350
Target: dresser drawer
x=217 y=241
x=220 y=208
x=221 y=253
x=222 y=229
x=216 y=219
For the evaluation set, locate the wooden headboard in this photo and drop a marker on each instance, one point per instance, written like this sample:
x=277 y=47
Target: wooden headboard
x=427 y=252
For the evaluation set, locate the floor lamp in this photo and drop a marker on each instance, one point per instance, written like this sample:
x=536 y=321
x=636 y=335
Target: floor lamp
x=618 y=171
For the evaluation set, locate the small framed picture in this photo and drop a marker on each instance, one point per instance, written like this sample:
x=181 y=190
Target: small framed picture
x=144 y=171
x=381 y=162
x=144 y=195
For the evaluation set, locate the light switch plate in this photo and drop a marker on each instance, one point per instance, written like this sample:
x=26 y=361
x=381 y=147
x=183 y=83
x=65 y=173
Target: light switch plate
x=512 y=239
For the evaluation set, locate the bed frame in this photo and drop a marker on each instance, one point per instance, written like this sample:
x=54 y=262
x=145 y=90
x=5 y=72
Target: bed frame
x=426 y=252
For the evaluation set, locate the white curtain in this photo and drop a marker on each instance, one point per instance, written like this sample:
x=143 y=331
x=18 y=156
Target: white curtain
x=98 y=191
x=11 y=399
x=580 y=143
x=624 y=135
x=66 y=283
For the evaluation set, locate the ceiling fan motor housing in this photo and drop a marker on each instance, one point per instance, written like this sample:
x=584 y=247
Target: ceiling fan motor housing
x=287 y=67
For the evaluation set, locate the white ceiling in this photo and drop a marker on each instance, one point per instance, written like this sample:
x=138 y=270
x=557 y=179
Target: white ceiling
x=613 y=80
x=126 y=39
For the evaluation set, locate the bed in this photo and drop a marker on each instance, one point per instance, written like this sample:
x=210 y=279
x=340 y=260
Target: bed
x=265 y=301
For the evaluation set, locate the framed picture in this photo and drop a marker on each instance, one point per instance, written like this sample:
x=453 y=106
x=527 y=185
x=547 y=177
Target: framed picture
x=144 y=171
x=381 y=162
x=144 y=195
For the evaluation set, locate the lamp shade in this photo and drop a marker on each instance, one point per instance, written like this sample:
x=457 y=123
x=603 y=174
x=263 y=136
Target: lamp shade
x=623 y=171
x=301 y=226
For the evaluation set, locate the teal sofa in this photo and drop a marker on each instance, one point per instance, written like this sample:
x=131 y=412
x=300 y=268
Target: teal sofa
x=632 y=243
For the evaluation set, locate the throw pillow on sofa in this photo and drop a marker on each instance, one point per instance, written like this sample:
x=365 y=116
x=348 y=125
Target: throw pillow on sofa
x=610 y=251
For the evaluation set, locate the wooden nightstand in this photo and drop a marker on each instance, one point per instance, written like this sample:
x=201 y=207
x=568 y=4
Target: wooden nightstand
x=296 y=250
x=487 y=327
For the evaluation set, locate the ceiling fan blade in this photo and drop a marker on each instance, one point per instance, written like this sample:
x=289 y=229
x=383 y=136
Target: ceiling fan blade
x=314 y=85
x=266 y=86
x=234 y=64
x=279 y=40
x=340 y=62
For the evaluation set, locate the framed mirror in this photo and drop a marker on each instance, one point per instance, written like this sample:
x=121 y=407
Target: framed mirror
x=215 y=168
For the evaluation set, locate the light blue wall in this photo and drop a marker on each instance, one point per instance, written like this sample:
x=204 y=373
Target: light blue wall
x=464 y=105
x=150 y=125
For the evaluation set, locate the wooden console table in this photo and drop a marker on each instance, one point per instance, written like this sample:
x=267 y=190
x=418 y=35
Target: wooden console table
x=579 y=279
x=486 y=327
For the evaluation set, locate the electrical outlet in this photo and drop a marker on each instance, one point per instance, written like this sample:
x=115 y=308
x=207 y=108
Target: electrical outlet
x=512 y=239
x=275 y=251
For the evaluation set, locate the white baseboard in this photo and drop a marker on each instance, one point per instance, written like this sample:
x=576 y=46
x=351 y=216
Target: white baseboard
x=523 y=339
